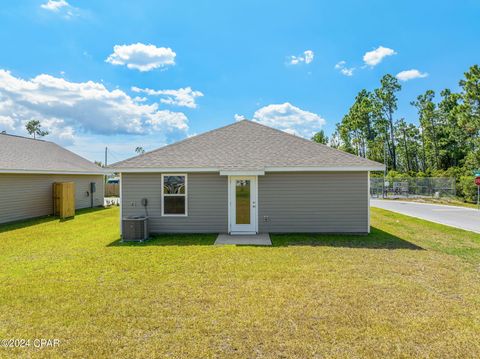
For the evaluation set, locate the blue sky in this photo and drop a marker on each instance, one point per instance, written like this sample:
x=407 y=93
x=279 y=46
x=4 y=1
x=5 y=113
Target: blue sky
x=184 y=67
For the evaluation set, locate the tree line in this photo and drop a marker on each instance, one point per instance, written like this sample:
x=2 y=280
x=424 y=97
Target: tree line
x=445 y=141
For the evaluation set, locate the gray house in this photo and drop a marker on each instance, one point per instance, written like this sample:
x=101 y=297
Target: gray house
x=29 y=167
x=248 y=178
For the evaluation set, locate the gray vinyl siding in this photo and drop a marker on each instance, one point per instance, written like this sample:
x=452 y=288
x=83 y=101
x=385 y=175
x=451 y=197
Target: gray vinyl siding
x=314 y=202
x=25 y=196
x=207 y=202
x=294 y=202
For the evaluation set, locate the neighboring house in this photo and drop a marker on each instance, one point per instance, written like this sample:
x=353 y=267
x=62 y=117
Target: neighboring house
x=29 y=167
x=248 y=178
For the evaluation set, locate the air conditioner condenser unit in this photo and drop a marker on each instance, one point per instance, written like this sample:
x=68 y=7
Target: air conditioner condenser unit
x=134 y=228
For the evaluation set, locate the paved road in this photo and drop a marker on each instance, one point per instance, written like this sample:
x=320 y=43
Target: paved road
x=464 y=218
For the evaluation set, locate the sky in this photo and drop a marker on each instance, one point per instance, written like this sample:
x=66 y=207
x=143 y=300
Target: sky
x=123 y=74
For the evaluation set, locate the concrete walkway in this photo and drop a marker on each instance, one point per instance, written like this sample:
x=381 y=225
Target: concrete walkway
x=459 y=217
x=262 y=239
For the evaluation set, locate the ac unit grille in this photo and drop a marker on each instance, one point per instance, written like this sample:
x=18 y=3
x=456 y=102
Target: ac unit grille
x=135 y=229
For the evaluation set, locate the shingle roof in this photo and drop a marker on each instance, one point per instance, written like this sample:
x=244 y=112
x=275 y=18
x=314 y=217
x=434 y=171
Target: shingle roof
x=22 y=154
x=245 y=145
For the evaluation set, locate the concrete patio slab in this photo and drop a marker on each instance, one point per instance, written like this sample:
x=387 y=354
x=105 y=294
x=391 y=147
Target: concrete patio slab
x=262 y=239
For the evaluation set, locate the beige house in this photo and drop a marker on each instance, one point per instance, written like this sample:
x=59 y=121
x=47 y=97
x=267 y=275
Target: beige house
x=29 y=167
x=247 y=178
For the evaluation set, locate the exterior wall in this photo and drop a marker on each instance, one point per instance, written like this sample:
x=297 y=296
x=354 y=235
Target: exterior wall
x=329 y=202
x=293 y=202
x=30 y=195
x=207 y=197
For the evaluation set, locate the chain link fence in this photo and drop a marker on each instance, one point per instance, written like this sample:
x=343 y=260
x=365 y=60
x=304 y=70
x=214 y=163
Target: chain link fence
x=435 y=187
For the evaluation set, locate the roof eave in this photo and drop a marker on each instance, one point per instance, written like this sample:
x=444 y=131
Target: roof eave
x=53 y=172
x=346 y=168
x=160 y=169
x=233 y=171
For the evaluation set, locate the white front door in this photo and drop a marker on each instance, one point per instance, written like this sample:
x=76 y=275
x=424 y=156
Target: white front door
x=243 y=204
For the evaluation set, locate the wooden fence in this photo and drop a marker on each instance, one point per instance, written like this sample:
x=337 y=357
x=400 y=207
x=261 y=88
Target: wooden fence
x=112 y=190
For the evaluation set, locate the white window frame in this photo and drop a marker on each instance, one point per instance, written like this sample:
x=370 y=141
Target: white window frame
x=175 y=195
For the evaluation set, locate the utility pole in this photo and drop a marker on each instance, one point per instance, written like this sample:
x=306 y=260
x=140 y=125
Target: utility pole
x=106 y=149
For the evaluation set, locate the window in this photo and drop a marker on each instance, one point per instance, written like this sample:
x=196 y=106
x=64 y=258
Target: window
x=242 y=201
x=174 y=195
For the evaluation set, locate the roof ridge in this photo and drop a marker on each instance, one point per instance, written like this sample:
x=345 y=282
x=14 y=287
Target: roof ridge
x=24 y=137
x=177 y=142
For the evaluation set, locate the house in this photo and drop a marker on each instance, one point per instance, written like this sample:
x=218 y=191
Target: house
x=29 y=167
x=248 y=178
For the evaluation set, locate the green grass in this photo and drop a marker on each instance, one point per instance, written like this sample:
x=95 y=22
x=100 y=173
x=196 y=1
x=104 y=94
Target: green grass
x=409 y=289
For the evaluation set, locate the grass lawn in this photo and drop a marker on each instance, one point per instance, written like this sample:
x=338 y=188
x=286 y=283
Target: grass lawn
x=409 y=289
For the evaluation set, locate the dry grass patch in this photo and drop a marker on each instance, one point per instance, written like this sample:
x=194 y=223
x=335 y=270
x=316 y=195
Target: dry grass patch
x=409 y=289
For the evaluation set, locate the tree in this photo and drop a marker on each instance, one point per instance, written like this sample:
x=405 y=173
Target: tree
x=344 y=136
x=455 y=136
x=320 y=137
x=384 y=103
x=408 y=145
x=34 y=128
x=429 y=123
x=470 y=108
x=469 y=115
x=139 y=150
x=334 y=140
x=356 y=126
x=445 y=142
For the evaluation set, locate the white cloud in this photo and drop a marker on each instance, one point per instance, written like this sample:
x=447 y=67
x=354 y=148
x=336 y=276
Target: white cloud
x=290 y=119
x=410 y=75
x=55 y=5
x=374 y=57
x=142 y=57
x=347 y=71
x=160 y=119
x=7 y=123
x=61 y=7
x=140 y=99
x=238 y=117
x=184 y=97
x=67 y=108
x=306 y=57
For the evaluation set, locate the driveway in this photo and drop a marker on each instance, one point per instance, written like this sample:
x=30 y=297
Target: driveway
x=464 y=218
